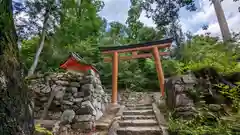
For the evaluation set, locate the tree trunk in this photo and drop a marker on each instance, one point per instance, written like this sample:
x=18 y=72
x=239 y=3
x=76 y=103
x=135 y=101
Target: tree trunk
x=42 y=40
x=222 y=20
x=15 y=106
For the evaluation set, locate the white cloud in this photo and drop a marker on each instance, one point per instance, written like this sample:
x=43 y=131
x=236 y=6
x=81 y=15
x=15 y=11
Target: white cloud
x=214 y=29
x=116 y=10
x=207 y=15
x=147 y=21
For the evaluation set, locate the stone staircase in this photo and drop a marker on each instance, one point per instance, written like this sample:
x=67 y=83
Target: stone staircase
x=138 y=119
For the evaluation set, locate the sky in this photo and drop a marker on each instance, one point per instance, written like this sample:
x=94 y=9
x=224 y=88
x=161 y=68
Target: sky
x=116 y=10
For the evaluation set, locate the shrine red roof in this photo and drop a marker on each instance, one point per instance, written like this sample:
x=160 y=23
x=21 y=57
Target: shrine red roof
x=74 y=62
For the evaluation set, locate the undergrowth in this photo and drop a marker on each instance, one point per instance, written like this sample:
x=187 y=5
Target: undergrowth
x=206 y=52
x=206 y=122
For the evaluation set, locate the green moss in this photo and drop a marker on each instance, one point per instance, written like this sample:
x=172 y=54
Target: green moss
x=42 y=130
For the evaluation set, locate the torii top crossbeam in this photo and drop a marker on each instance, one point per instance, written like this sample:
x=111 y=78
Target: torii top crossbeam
x=153 y=46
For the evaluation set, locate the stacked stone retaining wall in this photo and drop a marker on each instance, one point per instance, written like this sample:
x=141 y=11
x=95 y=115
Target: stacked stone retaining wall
x=81 y=94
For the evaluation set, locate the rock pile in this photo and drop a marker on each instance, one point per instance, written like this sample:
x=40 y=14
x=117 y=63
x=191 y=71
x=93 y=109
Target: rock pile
x=186 y=93
x=81 y=94
x=178 y=100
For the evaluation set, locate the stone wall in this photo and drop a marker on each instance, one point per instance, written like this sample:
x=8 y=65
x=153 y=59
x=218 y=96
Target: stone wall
x=79 y=98
x=186 y=94
x=178 y=99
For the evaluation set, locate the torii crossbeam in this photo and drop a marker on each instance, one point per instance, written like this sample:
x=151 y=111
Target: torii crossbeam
x=153 y=46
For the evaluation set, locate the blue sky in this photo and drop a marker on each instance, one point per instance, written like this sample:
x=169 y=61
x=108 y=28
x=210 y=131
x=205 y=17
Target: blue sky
x=116 y=10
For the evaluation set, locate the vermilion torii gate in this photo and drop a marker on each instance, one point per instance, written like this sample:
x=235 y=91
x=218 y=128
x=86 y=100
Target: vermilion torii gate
x=153 y=46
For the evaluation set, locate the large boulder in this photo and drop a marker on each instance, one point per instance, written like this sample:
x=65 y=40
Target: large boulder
x=178 y=99
x=67 y=116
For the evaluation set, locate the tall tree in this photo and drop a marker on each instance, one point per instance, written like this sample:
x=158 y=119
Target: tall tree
x=78 y=22
x=15 y=114
x=46 y=13
x=116 y=34
x=133 y=19
x=222 y=20
x=165 y=14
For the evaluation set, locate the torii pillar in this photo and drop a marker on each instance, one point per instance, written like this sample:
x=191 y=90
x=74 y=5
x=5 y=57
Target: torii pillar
x=114 y=78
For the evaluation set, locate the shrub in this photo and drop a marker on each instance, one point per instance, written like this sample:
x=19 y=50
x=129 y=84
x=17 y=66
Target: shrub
x=204 y=52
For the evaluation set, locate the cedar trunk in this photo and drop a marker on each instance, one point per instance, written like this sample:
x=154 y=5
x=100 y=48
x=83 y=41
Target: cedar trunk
x=222 y=20
x=15 y=107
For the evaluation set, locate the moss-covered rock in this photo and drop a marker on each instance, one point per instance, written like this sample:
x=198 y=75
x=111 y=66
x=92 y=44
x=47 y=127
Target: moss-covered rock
x=41 y=131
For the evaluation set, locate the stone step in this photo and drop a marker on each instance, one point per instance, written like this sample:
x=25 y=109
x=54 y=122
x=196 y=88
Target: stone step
x=134 y=117
x=154 y=130
x=137 y=105
x=48 y=124
x=139 y=108
x=102 y=126
x=149 y=123
x=138 y=112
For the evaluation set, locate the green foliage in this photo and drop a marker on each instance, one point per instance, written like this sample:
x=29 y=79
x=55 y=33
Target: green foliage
x=232 y=93
x=78 y=23
x=204 y=51
x=172 y=67
x=132 y=77
x=28 y=50
x=193 y=127
x=133 y=18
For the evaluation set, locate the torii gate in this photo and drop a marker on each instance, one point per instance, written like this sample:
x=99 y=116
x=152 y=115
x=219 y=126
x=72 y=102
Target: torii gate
x=153 y=46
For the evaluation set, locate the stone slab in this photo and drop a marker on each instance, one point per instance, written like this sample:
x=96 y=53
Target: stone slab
x=133 y=117
x=102 y=125
x=149 y=122
x=137 y=105
x=154 y=130
x=138 y=112
x=139 y=108
x=48 y=124
x=159 y=116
